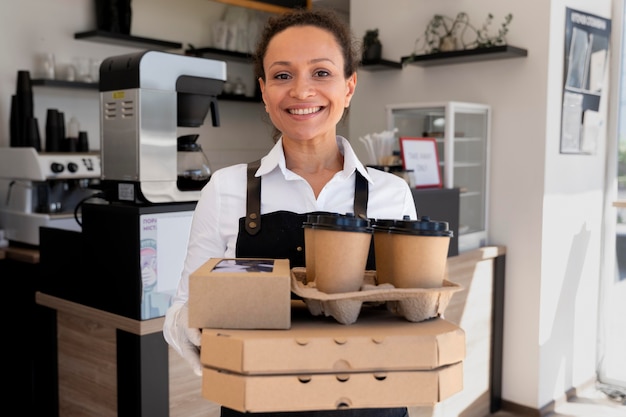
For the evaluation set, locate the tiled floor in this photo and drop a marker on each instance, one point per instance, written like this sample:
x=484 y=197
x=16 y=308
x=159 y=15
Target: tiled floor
x=590 y=403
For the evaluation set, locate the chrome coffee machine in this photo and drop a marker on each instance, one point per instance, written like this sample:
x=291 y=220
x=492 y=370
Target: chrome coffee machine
x=144 y=98
x=43 y=189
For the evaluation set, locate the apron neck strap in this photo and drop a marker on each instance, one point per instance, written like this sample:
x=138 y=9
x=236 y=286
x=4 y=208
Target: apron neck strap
x=253 y=198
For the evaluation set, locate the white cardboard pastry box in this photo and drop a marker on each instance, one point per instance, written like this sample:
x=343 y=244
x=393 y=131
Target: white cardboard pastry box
x=241 y=293
x=319 y=364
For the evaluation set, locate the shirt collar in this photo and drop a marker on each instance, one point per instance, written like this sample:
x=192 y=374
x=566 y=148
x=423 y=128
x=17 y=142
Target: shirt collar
x=276 y=159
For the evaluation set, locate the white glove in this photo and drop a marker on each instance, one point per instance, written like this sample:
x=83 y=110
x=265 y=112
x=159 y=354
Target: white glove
x=184 y=340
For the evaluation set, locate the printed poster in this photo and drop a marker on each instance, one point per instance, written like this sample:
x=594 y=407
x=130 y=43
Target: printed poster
x=586 y=59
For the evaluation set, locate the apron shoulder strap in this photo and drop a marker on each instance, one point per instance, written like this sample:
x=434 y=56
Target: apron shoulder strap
x=360 y=195
x=253 y=199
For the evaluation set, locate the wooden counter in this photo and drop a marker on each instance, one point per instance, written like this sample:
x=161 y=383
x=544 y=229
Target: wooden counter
x=619 y=204
x=113 y=365
x=139 y=328
x=19 y=254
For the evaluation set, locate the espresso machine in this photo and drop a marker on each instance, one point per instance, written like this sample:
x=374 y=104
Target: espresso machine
x=43 y=189
x=134 y=243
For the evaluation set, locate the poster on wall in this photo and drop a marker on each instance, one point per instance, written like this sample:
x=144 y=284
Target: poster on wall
x=586 y=57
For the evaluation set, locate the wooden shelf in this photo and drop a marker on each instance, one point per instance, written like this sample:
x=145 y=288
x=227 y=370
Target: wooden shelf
x=65 y=84
x=121 y=39
x=270 y=6
x=466 y=55
x=380 y=65
x=220 y=54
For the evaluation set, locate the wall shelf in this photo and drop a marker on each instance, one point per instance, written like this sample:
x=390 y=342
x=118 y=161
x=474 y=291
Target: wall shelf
x=220 y=54
x=64 y=84
x=466 y=55
x=236 y=97
x=121 y=39
x=94 y=86
x=380 y=65
x=270 y=6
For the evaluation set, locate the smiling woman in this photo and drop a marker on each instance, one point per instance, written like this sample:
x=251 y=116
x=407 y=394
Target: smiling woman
x=257 y=210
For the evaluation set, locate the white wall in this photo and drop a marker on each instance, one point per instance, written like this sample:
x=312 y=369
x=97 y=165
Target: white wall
x=546 y=208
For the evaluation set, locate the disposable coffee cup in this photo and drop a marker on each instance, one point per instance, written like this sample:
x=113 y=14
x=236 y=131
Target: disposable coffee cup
x=341 y=247
x=383 y=249
x=416 y=253
x=309 y=246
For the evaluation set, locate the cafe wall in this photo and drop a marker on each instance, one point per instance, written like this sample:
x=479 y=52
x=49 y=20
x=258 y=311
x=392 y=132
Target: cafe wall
x=545 y=207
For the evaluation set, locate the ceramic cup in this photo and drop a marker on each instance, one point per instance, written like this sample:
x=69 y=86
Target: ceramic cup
x=341 y=246
x=411 y=253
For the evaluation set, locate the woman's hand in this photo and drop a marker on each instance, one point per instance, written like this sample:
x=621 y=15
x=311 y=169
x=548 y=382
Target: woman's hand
x=185 y=340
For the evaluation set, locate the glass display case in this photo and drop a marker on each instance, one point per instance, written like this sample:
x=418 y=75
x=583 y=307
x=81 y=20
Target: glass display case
x=461 y=131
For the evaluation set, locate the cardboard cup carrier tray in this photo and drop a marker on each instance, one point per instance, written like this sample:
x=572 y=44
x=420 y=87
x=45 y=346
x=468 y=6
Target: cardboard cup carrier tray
x=269 y=361
x=414 y=304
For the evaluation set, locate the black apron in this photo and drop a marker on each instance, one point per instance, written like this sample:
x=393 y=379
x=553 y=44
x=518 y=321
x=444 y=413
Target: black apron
x=282 y=236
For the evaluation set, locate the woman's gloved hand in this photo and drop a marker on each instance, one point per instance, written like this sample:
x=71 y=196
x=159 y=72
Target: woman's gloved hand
x=184 y=340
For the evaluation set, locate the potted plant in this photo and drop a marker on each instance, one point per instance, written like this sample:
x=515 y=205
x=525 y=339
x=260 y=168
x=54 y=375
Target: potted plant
x=484 y=40
x=372 y=48
x=444 y=34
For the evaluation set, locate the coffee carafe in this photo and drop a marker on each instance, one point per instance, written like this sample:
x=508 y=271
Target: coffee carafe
x=193 y=166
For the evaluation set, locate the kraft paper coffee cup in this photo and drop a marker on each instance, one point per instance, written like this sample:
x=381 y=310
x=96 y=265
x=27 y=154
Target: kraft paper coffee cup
x=413 y=253
x=341 y=246
x=309 y=246
x=383 y=250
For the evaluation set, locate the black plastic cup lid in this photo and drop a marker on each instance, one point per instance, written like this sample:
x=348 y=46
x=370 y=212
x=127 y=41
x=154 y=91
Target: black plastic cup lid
x=384 y=224
x=423 y=227
x=311 y=218
x=348 y=222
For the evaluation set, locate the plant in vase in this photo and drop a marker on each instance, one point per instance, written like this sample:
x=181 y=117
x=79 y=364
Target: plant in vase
x=444 y=34
x=372 y=48
x=484 y=40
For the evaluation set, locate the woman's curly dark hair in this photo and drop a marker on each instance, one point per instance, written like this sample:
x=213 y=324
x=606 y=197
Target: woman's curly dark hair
x=320 y=18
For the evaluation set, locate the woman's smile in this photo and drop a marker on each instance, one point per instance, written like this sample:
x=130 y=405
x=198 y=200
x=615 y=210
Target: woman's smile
x=309 y=110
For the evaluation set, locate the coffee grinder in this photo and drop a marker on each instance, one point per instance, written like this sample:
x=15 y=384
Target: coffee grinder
x=134 y=244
